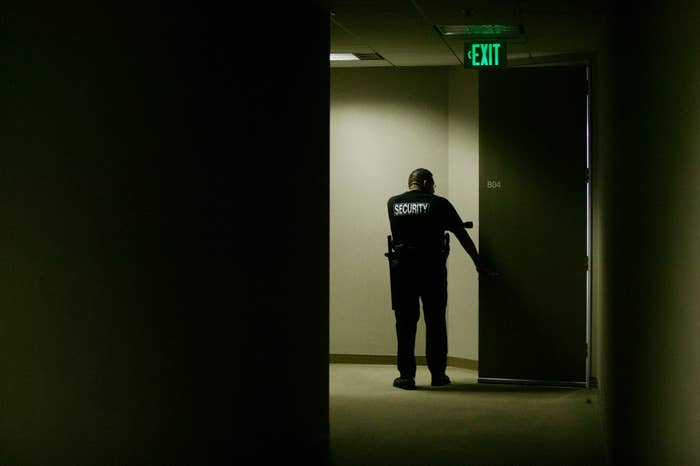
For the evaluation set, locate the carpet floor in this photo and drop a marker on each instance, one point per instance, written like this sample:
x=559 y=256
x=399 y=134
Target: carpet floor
x=462 y=424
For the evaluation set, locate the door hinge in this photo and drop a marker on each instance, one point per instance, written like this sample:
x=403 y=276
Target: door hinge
x=588 y=266
x=588 y=87
x=588 y=175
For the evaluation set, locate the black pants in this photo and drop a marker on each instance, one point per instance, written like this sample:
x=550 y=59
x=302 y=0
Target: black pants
x=416 y=280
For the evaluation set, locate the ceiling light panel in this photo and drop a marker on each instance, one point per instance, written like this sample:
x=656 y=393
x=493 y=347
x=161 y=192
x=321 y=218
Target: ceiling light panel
x=481 y=31
x=343 y=57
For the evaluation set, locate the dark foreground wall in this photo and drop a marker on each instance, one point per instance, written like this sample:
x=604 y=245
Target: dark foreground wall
x=651 y=220
x=282 y=405
x=127 y=333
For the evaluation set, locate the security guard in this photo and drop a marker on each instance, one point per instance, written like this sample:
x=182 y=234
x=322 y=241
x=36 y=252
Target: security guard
x=418 y=220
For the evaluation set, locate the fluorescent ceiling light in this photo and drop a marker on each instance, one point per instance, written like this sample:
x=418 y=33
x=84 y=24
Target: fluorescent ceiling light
x=343 y=57
x=481 y=31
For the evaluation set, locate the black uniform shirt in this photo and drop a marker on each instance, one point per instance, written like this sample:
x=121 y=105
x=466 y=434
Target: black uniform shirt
x=419 y=220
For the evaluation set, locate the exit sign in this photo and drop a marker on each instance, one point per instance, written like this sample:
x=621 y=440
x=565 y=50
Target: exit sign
x=485 y=54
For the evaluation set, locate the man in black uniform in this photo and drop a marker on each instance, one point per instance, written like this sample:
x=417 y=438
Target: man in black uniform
x=418 y=220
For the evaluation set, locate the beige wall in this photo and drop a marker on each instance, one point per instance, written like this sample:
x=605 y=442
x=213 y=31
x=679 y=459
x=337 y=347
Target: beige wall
x=463 y=178
x=384 y=123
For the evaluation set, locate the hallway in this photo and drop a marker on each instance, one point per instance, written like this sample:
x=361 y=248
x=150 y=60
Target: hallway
x=464 y=424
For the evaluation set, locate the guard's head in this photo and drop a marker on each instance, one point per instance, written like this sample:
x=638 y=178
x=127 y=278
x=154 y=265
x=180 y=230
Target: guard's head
x=422 y=179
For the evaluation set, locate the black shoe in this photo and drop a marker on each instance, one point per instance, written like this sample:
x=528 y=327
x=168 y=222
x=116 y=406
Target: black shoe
x=440 y=380
x=407 y=383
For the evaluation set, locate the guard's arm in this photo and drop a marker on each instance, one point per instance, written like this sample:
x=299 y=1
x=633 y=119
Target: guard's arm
x=466 y=241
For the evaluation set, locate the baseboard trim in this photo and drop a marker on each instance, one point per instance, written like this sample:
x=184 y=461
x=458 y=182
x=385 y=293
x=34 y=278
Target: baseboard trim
x=391 y=360
x=464 y=363
x=420 y=360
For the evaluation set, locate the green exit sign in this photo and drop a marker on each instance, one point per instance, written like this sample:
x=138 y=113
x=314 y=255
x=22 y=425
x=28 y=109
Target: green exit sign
x=485 y=54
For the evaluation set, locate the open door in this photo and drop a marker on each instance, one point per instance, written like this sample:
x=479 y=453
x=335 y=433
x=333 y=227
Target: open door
x=533 y=209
